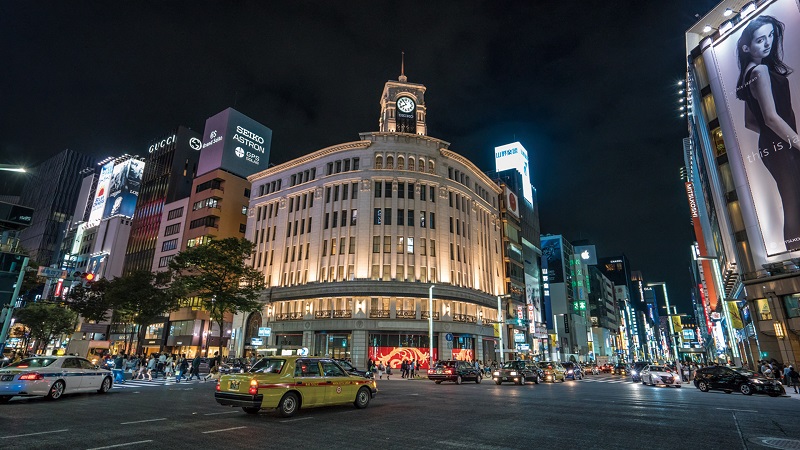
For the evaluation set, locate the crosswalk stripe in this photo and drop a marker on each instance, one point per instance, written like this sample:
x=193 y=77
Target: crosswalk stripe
x=145 y=383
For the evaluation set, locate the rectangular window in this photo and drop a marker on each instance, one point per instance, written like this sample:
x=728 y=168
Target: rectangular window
x=324 y=248
x=311 y=200
x=388 y=188
x=353 y=217
x=333 y=246
x=387 y=244
x=376 y=220
x=172 y=229
x=452 y=252
x=451 y=225
x=243 y=227
x=432 y=194
x=305 y=201
x=458 y=227
x=410 y=245
x=400 y=215
x=207 y=221
x=378 y=189
x=352 y=248
x=336 y=193
x=433 y=247
x=423 y=192
x=308 y=227
x=400 y=248
x=329 y=169
x=325 y=224
x=345 y=188
x=335 y=220
x=344 y=219
x=354 y=190
x=376 y=244
x=387 y=216
x=341 y=246
x=338 y=166
x=303 y=226
x=432 y=221
x=422 y=219
x=172 y=244
x=355 y=163
x=327 y=195
x=175 y=213
x=291 y=204
x=346 y=165
x=411 y=217
x=411 y=191
x=401 y=190
x=451 y=199
x=164 y=261
x=423 y=250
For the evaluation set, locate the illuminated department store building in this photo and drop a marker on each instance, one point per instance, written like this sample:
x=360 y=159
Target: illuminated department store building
x=747 y=259
x=350 y=238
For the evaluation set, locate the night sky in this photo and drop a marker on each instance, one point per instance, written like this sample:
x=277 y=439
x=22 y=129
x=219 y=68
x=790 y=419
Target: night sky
x=589 y=88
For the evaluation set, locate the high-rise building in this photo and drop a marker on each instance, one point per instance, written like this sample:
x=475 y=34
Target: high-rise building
x=51 y=191
x=171 y=165
x=740 y=177
x=354 y=240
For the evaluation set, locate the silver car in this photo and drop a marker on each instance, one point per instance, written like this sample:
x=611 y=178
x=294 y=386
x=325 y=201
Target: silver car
x=659 y=375
x=51 y=377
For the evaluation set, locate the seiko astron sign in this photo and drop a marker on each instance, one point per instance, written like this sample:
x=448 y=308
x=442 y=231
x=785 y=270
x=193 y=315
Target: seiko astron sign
x=236 y=143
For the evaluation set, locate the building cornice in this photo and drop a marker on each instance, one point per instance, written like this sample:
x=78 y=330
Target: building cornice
x=308 y=158
x=455 y=156
x=396 y=135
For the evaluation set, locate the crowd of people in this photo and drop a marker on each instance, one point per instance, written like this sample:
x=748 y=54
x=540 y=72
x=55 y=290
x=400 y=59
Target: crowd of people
x=164 y=365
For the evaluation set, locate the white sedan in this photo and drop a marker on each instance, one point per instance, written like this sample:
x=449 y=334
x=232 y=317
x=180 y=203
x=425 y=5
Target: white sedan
x=660 y=375
x=51 y=377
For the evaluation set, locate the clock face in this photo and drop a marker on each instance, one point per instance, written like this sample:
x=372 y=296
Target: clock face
x=405 y=104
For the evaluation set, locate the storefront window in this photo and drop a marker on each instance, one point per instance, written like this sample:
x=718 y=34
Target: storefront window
x=332 y=345
x=154 y=331
x=763 y=309
x=792 y=305
x=181 y=328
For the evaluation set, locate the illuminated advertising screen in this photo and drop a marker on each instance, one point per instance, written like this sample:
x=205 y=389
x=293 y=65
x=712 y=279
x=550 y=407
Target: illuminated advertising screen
x=757 y=80
x=552 y=259
x=514 y=156
x=512 y=203
x=236 y=143
x=101 y=194
x=587 y=254
x=123 y=191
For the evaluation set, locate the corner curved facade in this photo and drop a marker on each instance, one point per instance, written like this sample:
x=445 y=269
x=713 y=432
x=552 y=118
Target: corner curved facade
x=351 y=237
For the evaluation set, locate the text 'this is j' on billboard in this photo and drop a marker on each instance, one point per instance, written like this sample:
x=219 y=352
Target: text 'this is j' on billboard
x=235 y=143
x=757 y=90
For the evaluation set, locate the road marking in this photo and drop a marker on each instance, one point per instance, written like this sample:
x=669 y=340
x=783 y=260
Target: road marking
x=143 y=421
x=742 y=410
x=226 y=412
x=33 y=434
x=121 y=445
x=225 y=429
x=295 y=420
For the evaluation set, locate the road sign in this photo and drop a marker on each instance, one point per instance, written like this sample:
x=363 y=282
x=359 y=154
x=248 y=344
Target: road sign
x=255 y=342
x=264 y=331
x=50 y=272
x=449 y=337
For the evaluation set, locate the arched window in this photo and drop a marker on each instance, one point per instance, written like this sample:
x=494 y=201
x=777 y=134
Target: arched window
x=421 y=165
x=379 y=162
x=430 y=167
x=401 y=164
x=411 y=165
x=389 y=162
x=253 y=324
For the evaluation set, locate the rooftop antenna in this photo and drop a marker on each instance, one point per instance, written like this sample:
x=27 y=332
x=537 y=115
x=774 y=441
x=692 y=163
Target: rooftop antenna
x=403 y=77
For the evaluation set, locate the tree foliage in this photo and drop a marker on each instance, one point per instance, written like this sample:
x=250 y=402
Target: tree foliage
x=46 y=321
x=91 y=302
x=217 y=273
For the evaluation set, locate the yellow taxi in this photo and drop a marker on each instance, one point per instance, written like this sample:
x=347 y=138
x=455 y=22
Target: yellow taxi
x=291 y=382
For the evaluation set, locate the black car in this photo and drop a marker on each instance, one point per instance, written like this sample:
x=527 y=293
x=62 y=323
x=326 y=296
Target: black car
x=573 y=370
x=457 y=371
x=235 y=365
x=518 y=372
x=743 y=380
x=621 y=369
x=636 y=370
x=352 y=370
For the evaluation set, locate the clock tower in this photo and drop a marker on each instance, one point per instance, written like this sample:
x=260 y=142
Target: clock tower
x=403 y=106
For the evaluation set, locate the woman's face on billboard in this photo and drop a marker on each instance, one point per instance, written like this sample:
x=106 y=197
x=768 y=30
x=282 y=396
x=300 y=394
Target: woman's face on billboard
x=761 y=44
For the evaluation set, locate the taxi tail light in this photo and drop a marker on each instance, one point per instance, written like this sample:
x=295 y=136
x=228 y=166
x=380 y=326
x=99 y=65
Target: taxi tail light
x=31 y=376
x=431 y=371
x=218 y=386
x=253 y=387
x=449 y=371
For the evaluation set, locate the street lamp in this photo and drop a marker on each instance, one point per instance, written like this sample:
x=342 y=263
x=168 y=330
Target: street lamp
x=502 y=324
x=671 y=328
x=556 y=353
x=430 y=326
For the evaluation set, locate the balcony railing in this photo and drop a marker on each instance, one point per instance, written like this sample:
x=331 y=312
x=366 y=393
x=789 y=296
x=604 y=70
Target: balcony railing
x=322 y=314
x=379 y=313
x=406 y=314
x=466 y=318
x=426 y=315
x=342 y=314
x=289 y=316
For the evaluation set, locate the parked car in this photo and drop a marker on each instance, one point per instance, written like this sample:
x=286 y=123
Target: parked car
x=553 y=371
x=456 y=371
x=352 y=370
x=51 y=377
x=291 y=382
x=573 y=371
x=636 y=369
x=653 y=375
x=743 y=380
x=518 y=372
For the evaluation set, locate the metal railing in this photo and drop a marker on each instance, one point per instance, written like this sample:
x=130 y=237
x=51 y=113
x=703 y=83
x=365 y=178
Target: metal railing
x=406 y=314
x=289 y=316
x=379 y=313
x=466 y=318
x=425 y=315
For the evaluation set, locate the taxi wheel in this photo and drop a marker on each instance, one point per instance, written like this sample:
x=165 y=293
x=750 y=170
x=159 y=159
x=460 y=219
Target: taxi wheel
x=4 y=399
x=56 y=390
x=458 y=379
x=289 y=405
x=251 y=409
x=362 y=398
x=106 y=386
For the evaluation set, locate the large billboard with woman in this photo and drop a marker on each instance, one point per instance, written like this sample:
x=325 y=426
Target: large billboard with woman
x=757 y=64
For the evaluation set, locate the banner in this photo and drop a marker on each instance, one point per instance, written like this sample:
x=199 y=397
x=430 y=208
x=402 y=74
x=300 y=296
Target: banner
x=394 y=356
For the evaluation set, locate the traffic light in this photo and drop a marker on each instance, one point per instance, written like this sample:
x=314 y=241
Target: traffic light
x=85 y=277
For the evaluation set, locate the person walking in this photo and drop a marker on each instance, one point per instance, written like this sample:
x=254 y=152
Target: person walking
x=151 y=367
x=168 y=367
x=388 y=370
x=119 y=368
x=195 y=370
x=381 y=368
x=183 y=366
x=213 y=366
x=794 y=378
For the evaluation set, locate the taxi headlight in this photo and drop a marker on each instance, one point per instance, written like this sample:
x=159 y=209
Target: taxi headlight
x=570 y=371
x=513 y=373
x=633 y=372
x=497 y=374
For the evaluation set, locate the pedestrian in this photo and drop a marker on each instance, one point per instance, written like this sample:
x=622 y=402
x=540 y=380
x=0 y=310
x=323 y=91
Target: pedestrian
x=213 y=366
x=794 y=378
x=151 y=367
x=786 y=374
x=119 y=368
x=381 y=368
x=388 y=370
x=195 y=370
x=168 y=367
x=403 y=368
x=183 y=366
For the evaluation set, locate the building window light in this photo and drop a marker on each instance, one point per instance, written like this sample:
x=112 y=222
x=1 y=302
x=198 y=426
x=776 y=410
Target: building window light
x=728 y=12
x=747 y=10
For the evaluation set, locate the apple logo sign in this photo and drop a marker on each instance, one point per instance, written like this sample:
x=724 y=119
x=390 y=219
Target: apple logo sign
x=585 y=254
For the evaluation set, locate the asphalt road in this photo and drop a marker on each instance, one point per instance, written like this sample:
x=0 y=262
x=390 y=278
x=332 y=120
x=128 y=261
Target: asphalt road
x=601 y=412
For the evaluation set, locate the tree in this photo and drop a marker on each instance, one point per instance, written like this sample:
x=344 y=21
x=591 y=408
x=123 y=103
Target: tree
x=217 y=273
x=46 y=321
x=140 y=298
x=92 y=301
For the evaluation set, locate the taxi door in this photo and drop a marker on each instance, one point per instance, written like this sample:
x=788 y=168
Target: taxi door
x=309 y=382
x=340 y=387
x=73 y=375
x=92 y=376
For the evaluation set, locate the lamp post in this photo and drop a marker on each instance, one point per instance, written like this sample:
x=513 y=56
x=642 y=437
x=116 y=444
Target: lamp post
x=734 y=348
x=502 y=324
x=671 y=328
x=556 y=353
x=430 y=326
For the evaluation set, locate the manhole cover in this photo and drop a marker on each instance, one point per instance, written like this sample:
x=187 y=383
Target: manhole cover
x=777 y=442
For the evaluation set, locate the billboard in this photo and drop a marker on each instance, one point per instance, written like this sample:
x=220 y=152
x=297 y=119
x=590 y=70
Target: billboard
x=756 y=81
x=123 y=190
x=101 y=194
x=552 y=261
x=512 y=204
x=587 y=254
x=236 y=143
x=514 y=156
